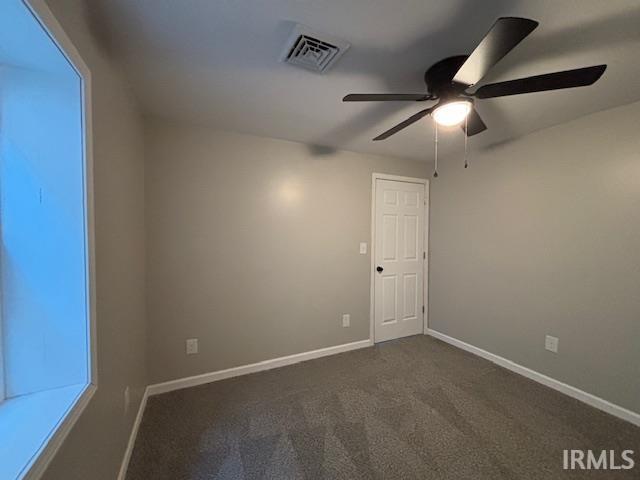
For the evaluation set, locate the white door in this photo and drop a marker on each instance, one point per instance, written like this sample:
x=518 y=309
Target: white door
x=399 y=259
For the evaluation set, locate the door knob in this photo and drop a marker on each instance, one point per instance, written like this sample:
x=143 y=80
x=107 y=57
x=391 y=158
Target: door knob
x=379 y=269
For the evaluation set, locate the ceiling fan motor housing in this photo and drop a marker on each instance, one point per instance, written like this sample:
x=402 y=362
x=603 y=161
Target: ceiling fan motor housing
x=439 y=77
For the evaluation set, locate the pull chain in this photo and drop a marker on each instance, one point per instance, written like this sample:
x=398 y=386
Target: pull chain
x=466 y=130
x=435 y=171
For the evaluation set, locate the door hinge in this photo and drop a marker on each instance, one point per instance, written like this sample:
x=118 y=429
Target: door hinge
x=422 y=308
x=424 y=255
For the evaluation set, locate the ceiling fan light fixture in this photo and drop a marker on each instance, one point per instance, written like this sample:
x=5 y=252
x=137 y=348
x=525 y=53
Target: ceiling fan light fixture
x=451 y=113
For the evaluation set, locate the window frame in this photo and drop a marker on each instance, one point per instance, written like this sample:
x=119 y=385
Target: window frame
x=2 y=374
x=50 y=445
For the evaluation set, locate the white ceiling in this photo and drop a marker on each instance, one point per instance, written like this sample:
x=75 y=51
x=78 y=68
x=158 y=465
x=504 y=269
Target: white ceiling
x=215 y=62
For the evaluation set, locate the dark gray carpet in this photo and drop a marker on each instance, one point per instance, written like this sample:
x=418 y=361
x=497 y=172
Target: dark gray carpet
x=414 y=408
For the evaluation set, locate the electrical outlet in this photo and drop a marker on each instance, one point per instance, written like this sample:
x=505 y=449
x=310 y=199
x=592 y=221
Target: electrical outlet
x=346 y=320
x=192 y=346
x=127 y=399
x=551 y=343
x=363 y=248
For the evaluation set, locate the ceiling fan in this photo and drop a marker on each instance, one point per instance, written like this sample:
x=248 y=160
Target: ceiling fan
x=448 y=80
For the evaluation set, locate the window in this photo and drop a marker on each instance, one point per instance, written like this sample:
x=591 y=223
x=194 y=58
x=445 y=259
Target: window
x=45 y=303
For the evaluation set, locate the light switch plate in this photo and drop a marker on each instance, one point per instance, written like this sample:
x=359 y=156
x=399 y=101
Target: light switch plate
x=363 y=248
x=346 y=320
x=192 y=346
x=551 y=343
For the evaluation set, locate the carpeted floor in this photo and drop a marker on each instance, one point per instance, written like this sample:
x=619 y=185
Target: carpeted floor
x=414 y=408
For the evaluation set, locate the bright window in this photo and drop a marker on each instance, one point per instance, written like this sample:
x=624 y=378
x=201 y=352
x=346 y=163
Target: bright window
x=45 y=314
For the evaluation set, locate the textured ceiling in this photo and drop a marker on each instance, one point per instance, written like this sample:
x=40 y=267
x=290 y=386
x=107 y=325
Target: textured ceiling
x=215 y=62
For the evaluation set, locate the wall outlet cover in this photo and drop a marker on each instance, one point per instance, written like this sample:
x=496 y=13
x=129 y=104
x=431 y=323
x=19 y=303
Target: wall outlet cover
x=127 y=399
x=363 y=248
x=346 y=320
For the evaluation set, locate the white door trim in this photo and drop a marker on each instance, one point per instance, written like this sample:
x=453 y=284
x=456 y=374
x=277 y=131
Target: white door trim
x=425 y=271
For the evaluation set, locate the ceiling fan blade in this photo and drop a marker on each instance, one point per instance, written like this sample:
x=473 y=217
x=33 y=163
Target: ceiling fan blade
x=475 y=124
x=386 y=97
x=579 y=77
x=503 y=36
x=412 y=119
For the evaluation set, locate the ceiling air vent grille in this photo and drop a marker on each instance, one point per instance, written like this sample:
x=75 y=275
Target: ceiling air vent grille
x=308 y=49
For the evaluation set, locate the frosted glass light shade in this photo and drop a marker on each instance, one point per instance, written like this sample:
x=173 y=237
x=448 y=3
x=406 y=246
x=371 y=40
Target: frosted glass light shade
x=451 y=113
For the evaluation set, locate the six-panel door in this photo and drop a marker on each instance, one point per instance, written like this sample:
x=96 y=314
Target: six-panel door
x=399 y=247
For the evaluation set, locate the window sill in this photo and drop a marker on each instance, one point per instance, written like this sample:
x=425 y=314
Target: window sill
x=33 y=426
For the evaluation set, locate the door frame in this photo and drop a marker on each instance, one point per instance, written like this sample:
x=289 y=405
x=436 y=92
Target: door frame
x=425 y=263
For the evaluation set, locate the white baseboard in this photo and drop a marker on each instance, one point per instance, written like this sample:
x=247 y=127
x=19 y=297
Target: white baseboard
x=573 y=392
x=254 y=367
x=132 y=437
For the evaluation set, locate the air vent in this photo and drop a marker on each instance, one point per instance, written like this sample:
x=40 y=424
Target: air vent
x=312 y=50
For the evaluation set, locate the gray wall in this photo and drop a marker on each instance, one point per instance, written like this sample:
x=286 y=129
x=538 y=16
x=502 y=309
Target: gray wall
x=252 y=247
x=95 y=446
x=542 y=236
